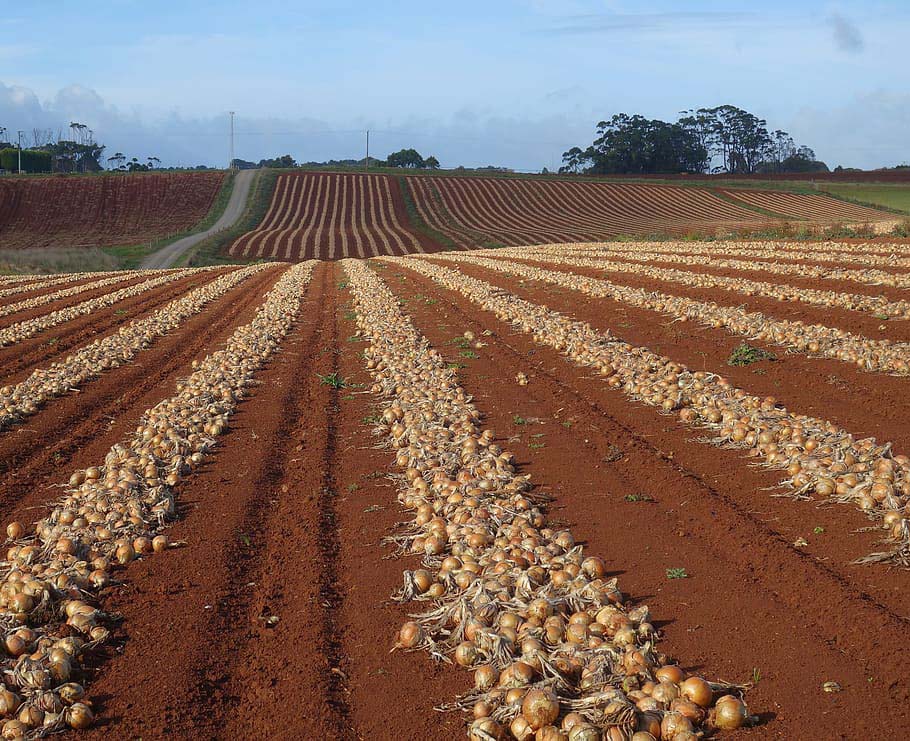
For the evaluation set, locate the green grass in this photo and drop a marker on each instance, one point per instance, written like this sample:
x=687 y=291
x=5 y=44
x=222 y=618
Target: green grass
x=210 y=251
x=896 y=196
x=417 y=220
x=746 y=354
x=335 y=380
x=56 y=260
x=677 y=573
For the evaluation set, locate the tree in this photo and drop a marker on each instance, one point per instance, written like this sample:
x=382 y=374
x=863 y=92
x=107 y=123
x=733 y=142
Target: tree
x=431 y=162
x=118 y=158
x=574 y=159
x=635 y=144
x=153 y=162
x=409 y=158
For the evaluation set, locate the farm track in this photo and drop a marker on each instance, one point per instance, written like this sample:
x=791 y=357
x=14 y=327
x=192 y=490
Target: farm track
x=32 y=455
x=16 y=361
x=791 y=613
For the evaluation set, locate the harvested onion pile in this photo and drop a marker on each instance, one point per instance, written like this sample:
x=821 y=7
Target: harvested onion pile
x=818 y=456
x=105 y=353
x=12 y=288
x=111 y=515
x=554 y=651
x=815 y=339
x=869 y=276
x=781 y=292
x=30 y=327
x=47 y=298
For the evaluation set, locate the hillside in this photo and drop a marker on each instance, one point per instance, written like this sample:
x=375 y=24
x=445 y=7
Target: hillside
x=333 y=215
x=102 y=210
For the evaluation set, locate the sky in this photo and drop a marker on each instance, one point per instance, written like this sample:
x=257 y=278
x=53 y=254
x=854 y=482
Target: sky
x=504 y=82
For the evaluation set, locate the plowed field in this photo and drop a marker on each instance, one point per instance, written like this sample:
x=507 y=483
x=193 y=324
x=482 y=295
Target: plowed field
x=102 y=210
x=615 y=493
x=329 y=216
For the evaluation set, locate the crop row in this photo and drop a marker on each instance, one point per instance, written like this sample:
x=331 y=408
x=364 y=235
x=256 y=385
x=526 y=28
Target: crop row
x=806 y=206
x=112 y=514
x=327 y=215
x=515 y=211
x=46 y=282
x=30 y=327
x=818 y=456
x=725 y=249
x=878 y=305
x=112 y=351
x=815 y=339
x=35 y=301
x=554 y=649
x=868 y=276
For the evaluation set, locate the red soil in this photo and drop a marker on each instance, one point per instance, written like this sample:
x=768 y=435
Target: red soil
x=285 y=519
x=333 y=215
x=807 y=206
x=514 y=211
x=102 y=210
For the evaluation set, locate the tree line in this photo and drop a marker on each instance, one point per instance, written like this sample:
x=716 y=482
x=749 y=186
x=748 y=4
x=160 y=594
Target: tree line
x=703 y=140
x=43 y=150
x=404 y=158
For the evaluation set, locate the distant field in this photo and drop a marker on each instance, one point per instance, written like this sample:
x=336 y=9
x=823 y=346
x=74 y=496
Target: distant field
x=66 y=212
x=891 y=196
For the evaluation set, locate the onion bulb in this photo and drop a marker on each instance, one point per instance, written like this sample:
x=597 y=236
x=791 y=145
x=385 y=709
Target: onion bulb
x=540 y=707
x=730 y=713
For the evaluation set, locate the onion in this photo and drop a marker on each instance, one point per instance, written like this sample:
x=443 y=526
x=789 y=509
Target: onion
x=540 y=707
x=79 y=716
x=730 y=713
x=697 y=690
x=410 y=635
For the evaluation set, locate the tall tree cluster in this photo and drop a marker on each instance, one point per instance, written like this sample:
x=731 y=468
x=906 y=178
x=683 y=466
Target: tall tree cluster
x=722 y=139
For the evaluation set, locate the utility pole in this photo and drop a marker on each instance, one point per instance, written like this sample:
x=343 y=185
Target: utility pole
x=368 y=149
x=231 y=163
x=20 y=151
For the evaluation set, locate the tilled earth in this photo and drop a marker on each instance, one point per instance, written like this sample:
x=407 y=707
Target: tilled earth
x=273 y=618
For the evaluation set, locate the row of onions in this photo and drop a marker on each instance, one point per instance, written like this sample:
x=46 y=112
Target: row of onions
x=670 y=254
x=818 y=456
x=36 y=285
x=112 y=514
x=105 y=353
x=814 y=339
x=30 y=327
x=47 y=298
x=771 y=249
x=555 y=653
x=878 y=305
x=858 y=250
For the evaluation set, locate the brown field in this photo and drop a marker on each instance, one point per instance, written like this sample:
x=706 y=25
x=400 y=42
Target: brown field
x=228 y=489
x=102 y=210
x=330 y=216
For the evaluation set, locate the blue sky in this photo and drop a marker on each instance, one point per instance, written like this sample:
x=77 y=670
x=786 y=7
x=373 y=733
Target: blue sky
x=511 y=82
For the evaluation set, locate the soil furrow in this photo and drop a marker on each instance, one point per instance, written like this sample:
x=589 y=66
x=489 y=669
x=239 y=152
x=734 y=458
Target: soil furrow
x=790 y=613
x=33 y=454
x=18 y=360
